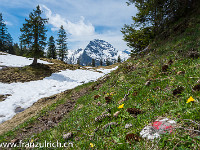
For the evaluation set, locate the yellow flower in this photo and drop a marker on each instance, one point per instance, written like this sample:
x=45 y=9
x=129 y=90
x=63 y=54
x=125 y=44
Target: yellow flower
x=121 y=106
x=147 y=99
x=91 y=144
x=191 y=99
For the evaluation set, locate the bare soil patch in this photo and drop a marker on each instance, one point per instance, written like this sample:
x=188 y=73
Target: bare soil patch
x=33 y=72
x=51 y=118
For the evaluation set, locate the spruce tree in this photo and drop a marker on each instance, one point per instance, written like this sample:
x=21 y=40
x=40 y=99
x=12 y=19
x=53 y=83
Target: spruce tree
x=101 y=62
x=119 y=59
x=51 y=53
x=107 y=62
x=78 y=61
x=93 y=62
x=34 y=34
x=6 y=40
x=62 y=44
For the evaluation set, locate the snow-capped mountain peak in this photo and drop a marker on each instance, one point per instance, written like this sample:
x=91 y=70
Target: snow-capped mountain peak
x=99 y=50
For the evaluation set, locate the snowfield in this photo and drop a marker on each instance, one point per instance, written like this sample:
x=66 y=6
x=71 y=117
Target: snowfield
x=23 y=95
x=16 y=61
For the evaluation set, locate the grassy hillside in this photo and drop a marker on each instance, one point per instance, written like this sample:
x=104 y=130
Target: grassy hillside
x=156 y=83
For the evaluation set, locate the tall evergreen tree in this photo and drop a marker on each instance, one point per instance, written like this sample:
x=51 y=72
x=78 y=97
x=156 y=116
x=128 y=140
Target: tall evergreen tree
x=119 y=59
x=107 y=62
x=154 y=17
x=78 y=61
x=34 y=34
x=6 y=40
x=93 y=62
x=62 y=44
x=51 y=53
x=101 y=62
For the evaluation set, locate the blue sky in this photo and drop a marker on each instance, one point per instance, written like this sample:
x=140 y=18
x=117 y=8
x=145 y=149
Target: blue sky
x=83 y=20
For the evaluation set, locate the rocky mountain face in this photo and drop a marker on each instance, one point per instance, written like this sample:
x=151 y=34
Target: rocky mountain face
x=99 y=50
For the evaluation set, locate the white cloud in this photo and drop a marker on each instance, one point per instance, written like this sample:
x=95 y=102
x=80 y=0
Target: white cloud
x=79 y=28
x=82 y=33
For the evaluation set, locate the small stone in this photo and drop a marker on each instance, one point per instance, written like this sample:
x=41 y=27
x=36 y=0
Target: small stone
x=180 y=72
x=1 y=116
x=68 y=136
x=121 y=101
x=147 y=83
x=99 y=104
x=50 y=124
x=14 y=141
x=116 y=114
x=77 y=138
x=128 y=125
x=19 y=109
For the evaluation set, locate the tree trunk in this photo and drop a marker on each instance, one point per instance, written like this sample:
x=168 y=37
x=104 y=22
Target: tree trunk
x=34 y=61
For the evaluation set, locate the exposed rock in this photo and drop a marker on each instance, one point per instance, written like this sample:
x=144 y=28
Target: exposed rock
x=19 y=109
x=116 y=114
x=128 y=125
x=180 y=72
x=68 y=136
x=111 y=124
x=159 y=126
x=50 y=124
x=15 y=141
x=147 y=83
x=99 y=104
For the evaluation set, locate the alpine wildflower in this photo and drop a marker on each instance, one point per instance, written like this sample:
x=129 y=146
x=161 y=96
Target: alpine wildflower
x=121 y=106
x=191 y=99
x=91 y=144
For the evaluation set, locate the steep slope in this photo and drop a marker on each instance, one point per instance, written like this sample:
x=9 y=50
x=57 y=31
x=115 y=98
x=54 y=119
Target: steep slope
x=156 y=83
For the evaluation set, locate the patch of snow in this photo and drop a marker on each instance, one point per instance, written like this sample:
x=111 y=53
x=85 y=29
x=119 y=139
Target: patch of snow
x=23 y=95
x=17 y=61
x=106 y=71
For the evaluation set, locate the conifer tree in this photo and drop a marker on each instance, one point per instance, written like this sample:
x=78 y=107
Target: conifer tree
x=119 y=59
x=107 y=62
x=34 y=34
x=153 y=20
x=78 y=61
x=101 y=62
x=93 y=62
x=6 y=40
x=51 y=53
x=62 y=44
